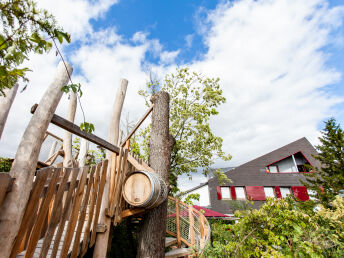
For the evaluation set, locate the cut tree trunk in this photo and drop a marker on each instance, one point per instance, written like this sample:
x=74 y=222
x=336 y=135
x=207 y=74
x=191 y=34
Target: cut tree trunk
x=24 y=165
x=67 y=139
x=5 y=105
x=101 y=245
x=151 y=242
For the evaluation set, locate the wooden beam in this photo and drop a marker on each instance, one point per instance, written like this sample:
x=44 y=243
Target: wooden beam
x=73 y=128
x=55 y=136
x=138 y=125
x=131 y=212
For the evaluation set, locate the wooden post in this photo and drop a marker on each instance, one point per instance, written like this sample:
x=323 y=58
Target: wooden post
x=67 y=139
x=178 y=223
x=101 y=246
x=84 y=145
x=24 y=165
x=151 y=241
x=52 y=149
x=5 y=105
x=191 y=228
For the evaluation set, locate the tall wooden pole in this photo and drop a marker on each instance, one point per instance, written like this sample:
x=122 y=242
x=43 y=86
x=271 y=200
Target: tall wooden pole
x=5 y=105
x=24 y=165
x=67 y=139
x=84 y=145
x=101 y=245
x=151 y=242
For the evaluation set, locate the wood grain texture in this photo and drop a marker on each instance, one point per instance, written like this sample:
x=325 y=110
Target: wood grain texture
x=24 y=165
x=5 y=105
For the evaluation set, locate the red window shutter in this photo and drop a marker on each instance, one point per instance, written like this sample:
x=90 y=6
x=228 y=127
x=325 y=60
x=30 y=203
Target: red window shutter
x=300 y=192
x=278 y=192
x=255 y=193
x=233 y=193
x=219 y=195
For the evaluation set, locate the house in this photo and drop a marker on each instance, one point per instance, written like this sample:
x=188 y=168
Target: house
x=275 y=174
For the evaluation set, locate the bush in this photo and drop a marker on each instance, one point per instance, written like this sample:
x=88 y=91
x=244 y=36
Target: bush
x=283 y=228
x=5 y=164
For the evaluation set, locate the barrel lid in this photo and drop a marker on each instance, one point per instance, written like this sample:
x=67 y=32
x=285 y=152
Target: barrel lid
x=137 y=188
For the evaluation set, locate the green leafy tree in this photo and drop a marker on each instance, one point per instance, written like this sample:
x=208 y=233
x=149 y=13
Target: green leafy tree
x=24 y=29
x=194 y=99
x=328 y=180
x=281 y=228
x=5 y=164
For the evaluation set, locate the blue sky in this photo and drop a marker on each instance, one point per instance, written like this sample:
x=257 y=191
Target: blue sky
x=280 y=63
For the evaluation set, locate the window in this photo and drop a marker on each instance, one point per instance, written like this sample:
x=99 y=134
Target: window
x=240 y=193
x=269 y=192
x=225 y=192
x=285 y=191
x=273 y=169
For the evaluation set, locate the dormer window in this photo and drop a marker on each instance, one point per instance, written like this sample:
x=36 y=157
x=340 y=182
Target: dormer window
x=294 y=163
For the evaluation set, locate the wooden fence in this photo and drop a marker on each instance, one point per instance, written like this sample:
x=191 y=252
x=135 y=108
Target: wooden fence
x=61 y=217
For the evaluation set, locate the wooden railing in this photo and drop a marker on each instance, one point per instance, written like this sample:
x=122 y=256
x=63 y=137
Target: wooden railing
x=187 y=224
x=61 y=216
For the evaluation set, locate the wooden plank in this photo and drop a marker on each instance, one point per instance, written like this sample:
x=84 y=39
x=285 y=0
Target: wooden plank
x=37 y=229
x=91 y=210
x=191 y=226
x=53 y=135
x=131 y=212
x=138 y=125
x=178 y=223
x=57 y=214
x=118 y=196
x=180 y=252
x=73 y=128
x=99 y=201
x=74 y=213
x=113 y=175
x=65 y=211
x=115 y=189
x=5 y=181
x=82 y=216
x=31 y=208
x=139 y=166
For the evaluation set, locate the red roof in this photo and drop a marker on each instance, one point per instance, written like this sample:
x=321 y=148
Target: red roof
x=209 y=213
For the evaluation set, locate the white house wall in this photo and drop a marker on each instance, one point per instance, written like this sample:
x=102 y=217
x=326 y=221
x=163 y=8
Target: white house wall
x=204 y=196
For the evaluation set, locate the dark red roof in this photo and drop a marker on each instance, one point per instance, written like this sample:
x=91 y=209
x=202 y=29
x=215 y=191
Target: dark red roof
x=209 y=213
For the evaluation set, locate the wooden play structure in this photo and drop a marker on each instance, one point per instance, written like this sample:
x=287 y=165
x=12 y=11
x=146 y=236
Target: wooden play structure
x=64 y=208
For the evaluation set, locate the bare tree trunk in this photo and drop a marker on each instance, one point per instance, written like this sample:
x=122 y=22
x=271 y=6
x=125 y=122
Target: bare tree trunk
x=52 y=149
x=151 y=242
x=67 y=139
x=101 y=245
x=84 y=144
x=5 y=105
x=24 y=165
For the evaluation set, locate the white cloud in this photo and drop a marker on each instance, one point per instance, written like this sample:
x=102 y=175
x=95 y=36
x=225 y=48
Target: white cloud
x=74 y=16
x=188 y=40
x=268 y=54
x=272 y=68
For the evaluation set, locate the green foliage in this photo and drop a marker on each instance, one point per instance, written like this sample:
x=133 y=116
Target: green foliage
x=240 y=205
x=87 y=127
x=194 y=99
x=24 y=29
x=5 y=164
x=280 y=228
x=192 y=197
x=221 y=177
x=328 y=180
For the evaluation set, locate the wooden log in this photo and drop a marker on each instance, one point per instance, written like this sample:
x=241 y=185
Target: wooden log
x=101 y=246
x=178 y=223
x=52 y=150
x=25 y=162
x=5 y=181
x=84 y=145
x=151 y=240
x=67 y=139
x=73 y=128
x=5 y=105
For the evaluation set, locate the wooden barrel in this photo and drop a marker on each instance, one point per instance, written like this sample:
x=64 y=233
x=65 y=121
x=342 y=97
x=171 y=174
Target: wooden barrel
x=144 y=189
